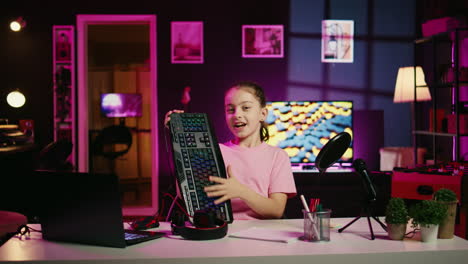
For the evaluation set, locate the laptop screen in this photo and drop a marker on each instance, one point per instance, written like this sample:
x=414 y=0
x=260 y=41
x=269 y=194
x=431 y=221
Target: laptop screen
x=81 y=208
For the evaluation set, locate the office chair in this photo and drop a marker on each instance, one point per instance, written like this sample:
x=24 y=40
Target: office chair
x=104 y=144
x=55 y=156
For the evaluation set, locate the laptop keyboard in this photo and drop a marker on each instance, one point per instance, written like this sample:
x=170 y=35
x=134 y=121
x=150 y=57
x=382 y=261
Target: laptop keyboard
x=137 y=236
x=130 y=236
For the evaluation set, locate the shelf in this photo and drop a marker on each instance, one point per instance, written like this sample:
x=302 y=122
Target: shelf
x=443 y=85
x=434 y=61
x=63 y=65
x=442 y=134
x=444 y=36
x=63 y=125
x=67 y=120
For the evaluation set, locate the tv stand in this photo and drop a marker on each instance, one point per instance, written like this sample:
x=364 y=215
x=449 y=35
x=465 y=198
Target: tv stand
x=310 y=168
x=304 y=168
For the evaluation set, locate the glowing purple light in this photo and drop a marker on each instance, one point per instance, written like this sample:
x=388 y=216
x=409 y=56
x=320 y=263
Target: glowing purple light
x=111 y=101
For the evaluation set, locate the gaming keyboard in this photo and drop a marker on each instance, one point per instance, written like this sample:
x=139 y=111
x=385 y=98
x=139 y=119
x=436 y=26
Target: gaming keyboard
x=197 y=156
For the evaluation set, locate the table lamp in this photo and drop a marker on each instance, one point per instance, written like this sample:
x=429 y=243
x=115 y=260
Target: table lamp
x=406 y=88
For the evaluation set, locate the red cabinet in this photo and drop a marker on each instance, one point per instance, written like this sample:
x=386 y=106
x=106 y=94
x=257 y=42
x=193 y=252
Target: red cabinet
x=418 y=186
x=415 y=185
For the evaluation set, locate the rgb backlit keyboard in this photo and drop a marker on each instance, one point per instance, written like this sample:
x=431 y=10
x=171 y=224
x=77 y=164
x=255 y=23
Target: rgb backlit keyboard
x=197 y=156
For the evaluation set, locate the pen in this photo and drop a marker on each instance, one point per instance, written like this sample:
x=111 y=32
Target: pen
x=304 y=203
x=313 y=204
x=319 y=207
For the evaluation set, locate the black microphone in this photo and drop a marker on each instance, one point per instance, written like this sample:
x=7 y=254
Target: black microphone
x=360 y=167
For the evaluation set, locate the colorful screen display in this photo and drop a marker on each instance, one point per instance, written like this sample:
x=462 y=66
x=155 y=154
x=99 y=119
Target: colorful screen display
x=121 y=105
x=303 y=128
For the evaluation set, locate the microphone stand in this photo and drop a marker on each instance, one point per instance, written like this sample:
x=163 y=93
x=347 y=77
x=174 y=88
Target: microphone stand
x=367 y=211
x=329 y=154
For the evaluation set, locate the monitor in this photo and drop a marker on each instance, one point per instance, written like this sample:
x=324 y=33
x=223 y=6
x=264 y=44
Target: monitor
x=121 y=104
x=302 y=128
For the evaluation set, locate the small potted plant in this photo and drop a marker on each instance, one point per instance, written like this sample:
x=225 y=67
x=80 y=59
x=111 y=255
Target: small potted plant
x=396 y=217
x=428 y=214
x=449 y=198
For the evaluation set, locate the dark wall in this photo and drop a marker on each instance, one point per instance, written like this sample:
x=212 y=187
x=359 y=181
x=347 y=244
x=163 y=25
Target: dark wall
x=28 y=63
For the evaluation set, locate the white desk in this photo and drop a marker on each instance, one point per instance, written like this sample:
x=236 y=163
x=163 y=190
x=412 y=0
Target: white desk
x=351 y=246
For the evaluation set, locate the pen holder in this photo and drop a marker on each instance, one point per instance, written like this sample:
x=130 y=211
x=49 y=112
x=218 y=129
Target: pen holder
x=317 y=225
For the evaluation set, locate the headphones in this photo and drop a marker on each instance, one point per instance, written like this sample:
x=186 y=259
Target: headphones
x=145 y=223
x=206 y=226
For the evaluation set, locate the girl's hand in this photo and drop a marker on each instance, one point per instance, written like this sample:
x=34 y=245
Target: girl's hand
x=226 y=188
x=167 y=118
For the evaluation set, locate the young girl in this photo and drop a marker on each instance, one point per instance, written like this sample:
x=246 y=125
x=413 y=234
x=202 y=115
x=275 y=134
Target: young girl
x=260 y=178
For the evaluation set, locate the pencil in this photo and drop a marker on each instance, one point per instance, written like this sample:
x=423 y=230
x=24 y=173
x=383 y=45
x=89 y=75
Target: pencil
x=304 y=203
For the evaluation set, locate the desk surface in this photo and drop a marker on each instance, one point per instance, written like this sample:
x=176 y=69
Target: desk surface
x=351 y=246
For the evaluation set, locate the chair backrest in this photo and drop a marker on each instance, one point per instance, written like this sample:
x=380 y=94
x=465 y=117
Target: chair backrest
x=54 y=156
x=108 y=137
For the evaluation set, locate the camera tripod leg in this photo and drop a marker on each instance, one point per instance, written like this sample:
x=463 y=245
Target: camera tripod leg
x=370 y=228
x=368 y=213
x=381 y=224
x=350 y=223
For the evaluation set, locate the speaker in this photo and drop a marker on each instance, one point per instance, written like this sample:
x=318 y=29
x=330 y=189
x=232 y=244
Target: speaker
x=206 y=226
x=27 y=127
x=368 y=136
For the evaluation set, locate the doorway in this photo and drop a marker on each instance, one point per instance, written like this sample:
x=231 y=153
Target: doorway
x=117 y=60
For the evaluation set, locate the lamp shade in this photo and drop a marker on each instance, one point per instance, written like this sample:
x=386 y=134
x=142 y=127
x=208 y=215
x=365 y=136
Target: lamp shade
x=405 y=85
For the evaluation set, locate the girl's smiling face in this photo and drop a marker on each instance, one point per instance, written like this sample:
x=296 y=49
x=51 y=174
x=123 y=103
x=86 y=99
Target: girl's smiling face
x=244 y=114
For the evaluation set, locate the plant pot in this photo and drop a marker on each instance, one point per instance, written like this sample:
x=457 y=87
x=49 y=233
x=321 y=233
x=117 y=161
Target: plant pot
x=446 y=228
x=396 y=231
x=429 y=233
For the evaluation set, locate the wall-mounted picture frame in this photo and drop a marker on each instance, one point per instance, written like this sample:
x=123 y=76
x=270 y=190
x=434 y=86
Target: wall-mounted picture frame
x=187 y=42
x=262 y=41
x=338 y=41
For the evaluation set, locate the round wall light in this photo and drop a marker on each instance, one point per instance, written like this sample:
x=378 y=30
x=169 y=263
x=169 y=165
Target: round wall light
x=16 y=99
x=17 y=24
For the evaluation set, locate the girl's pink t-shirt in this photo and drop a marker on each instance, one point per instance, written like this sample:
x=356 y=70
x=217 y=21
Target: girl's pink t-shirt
x=265 y=169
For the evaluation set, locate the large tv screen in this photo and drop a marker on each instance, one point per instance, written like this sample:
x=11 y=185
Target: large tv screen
x=121 y=104
x=302 y=128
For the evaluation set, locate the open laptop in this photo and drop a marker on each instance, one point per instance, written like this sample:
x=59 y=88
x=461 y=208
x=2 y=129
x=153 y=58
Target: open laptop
x=85 y=208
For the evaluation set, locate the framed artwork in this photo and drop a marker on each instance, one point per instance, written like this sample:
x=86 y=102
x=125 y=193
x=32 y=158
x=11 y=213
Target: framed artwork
x=337 y=40
x=187 y=42
x=262 y=41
